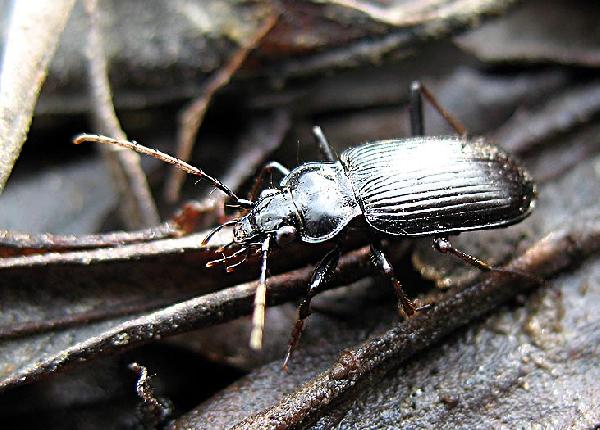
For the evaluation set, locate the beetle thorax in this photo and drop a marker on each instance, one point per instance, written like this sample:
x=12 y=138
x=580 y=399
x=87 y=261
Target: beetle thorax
x=274 y=213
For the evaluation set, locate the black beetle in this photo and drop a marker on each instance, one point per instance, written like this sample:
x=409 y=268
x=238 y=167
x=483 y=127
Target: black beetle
x=419 y=186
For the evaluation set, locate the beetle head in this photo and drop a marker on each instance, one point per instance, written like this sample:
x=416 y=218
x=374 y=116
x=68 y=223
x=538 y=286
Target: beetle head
x=274 y=213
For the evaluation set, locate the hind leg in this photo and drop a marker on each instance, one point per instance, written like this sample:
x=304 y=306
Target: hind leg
x=443 y=245
x=417 y=125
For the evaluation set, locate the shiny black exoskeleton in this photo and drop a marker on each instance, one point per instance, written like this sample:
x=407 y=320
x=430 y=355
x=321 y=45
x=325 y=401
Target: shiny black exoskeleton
x=418 y=186
x=422 y=186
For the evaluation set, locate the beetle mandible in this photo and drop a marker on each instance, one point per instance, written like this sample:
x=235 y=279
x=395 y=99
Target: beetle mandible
x=418 y=186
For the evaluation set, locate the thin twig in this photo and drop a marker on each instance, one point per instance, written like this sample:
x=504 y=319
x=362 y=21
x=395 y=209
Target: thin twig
x=28 y=328
x=193 y=114
x=30 y=37
x=153 y=410
x=203 y=311
x=136 y=204
x=55 y=242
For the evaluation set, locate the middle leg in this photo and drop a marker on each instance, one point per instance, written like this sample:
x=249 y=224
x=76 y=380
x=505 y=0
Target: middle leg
x=381 y=262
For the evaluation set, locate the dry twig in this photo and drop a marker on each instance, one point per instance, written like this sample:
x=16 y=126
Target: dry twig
x=31 y=40
x=193 y=114
x=136 y=204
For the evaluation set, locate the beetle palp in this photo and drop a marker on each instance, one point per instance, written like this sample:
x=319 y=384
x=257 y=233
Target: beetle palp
x=232 y=267
x=218 y=261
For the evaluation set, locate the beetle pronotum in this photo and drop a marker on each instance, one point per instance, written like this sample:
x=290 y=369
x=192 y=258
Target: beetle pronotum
x=418 y=186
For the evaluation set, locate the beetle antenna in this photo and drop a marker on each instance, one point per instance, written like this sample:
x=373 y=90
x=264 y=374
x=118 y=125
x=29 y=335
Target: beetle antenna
x=188 y=168
x=260 y=299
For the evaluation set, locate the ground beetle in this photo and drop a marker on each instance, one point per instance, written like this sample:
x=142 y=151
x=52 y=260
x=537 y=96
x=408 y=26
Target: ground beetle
x=420 y=186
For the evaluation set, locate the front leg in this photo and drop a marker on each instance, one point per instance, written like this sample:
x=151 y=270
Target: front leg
x=260 y=299
x=321 y=277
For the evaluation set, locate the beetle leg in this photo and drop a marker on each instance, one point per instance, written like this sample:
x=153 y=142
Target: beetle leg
x=443 y=245
x=327 y=151
x=417 y=91
x=260 y=299
x=381 y=262
x=417 y=125
x=266 y=170
x=320 y=278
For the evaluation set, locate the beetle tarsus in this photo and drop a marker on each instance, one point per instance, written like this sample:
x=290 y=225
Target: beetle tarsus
x=294 y=339
x=320 y=278
x=404 y=303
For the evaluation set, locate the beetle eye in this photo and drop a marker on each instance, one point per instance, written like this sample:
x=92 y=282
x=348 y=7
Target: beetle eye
x=285 y=235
